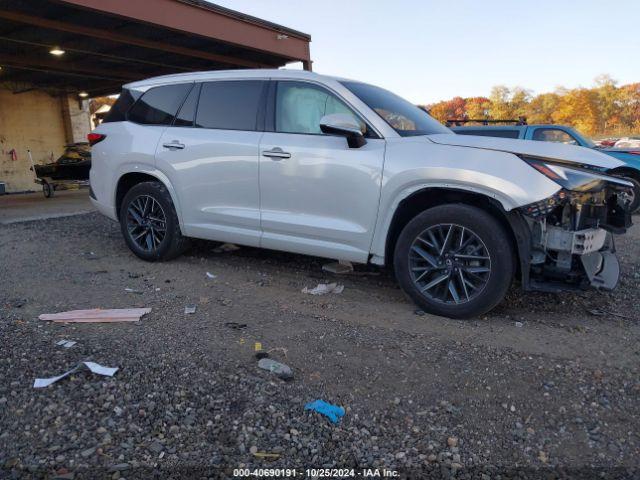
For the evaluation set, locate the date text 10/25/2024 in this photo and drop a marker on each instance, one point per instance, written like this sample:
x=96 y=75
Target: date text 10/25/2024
x=315 y=473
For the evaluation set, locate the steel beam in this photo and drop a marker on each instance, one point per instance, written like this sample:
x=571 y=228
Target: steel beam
x=125 y=39
x=208 y=21
x=64 y=68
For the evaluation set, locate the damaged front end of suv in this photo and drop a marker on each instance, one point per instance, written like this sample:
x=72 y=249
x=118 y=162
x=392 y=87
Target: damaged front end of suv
x=568 y=238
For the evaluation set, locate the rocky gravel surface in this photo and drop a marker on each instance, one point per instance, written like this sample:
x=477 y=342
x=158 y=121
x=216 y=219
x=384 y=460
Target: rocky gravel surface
x=545 y=386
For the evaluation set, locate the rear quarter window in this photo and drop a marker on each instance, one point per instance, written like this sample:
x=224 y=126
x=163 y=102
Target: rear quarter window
x=158 y=105
x=118 y=112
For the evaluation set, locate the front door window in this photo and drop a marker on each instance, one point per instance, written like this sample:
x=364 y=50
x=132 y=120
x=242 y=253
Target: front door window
x=300 y=106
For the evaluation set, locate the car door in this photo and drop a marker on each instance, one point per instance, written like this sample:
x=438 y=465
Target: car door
x=210 y=155
x=317 y=195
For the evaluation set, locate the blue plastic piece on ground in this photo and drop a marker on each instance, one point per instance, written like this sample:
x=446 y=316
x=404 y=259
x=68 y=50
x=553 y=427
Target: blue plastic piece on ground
x=332 y=412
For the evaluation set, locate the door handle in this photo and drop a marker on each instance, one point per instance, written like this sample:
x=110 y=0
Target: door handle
x=174 y=145
x=276 y=154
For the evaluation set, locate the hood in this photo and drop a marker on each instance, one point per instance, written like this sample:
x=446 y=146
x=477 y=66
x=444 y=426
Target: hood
x=550 y=150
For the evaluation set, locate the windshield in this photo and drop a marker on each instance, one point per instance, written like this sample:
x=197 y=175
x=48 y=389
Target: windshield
x=403 y=116
x=586 y=141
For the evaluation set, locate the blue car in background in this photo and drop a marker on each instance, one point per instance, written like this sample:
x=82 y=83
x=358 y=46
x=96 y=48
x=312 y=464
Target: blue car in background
x=557 y=133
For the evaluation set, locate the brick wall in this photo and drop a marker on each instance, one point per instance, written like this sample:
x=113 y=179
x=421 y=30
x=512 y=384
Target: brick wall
x=40 y=122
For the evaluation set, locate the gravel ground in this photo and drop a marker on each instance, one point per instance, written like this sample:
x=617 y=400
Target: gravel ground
x=545 y=385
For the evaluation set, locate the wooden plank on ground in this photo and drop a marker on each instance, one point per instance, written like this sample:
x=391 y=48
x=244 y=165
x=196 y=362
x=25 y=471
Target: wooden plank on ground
x=97 y=315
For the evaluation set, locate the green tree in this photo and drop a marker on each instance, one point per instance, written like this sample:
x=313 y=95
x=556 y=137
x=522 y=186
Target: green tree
x=500 y=105
x=609 y=102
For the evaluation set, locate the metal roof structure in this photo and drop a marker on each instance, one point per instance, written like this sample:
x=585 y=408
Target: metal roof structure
x=107 y=43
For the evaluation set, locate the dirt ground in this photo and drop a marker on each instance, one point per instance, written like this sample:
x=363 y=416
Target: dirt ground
x=544 y=383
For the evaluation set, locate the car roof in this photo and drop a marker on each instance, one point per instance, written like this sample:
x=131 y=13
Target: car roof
x=229 y=74
x=511 y=127
x=491 y=127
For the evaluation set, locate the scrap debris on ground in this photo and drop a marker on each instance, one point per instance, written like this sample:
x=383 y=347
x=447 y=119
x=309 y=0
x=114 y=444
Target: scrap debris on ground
x=324 y=288
x=97 y=315
x=555 y=398
x=332 y=412
x=92 y=366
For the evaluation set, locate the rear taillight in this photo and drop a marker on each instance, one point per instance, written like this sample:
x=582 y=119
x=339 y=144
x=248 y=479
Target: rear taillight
x=634 y=152
x=95 y=138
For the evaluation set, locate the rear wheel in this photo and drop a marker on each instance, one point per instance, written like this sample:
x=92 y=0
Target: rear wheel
x=454 y=260
x=47 y=189
x=149 y=223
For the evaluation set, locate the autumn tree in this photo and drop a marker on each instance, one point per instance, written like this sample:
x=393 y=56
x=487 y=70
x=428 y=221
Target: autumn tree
x=629 y=96
x=541 y=108
x=604 y=109
x=478 y=107
x=500 y=105
x=608 y=102
x=449 y=109
x=580 y=108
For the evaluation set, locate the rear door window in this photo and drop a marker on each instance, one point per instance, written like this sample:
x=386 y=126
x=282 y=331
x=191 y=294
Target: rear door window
x=186 y=114
x=230 y=105
x=158 y=105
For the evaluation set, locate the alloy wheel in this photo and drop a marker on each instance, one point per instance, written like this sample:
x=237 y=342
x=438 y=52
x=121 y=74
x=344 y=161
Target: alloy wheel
x=449 y=264
x=146 y=222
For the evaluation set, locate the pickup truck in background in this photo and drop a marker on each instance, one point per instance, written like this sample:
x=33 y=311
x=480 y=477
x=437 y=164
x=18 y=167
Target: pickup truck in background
x=519 y=129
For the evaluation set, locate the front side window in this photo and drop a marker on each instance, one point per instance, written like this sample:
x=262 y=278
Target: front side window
x=230 y=105
x=300 y=106
x=158 y=105
x=554 y=135
x=403 y=116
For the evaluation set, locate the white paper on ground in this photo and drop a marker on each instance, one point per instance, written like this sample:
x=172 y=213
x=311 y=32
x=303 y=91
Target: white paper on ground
x=45 y=382
x=66 y=343
x=211 y=275
x=94 y=367
x=226 y=247
x=324 y=288
x=100 y=370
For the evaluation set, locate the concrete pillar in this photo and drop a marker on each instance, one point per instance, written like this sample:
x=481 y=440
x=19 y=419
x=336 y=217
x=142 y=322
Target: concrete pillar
x=75 y=114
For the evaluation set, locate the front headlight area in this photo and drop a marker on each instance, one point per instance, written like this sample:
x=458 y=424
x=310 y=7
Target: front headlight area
x=571 y=232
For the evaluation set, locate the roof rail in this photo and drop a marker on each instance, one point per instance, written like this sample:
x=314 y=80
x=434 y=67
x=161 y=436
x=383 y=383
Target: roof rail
x=484 y=121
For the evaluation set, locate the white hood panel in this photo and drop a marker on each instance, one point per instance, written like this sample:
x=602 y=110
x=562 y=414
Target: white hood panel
x=557 y=151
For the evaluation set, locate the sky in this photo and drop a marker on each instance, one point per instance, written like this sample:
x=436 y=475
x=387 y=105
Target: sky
x=428 y=51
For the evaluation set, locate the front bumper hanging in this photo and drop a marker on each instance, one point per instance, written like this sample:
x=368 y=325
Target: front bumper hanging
x=566 y=242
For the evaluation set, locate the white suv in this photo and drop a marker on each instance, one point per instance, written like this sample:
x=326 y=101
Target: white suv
x=296 y=161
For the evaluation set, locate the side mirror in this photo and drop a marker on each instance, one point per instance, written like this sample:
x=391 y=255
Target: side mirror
x=345 y=126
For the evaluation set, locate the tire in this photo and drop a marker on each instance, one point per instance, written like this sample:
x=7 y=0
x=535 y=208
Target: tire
x=635 y=203
x=47 y=189
x=485 y=260
x=146 y=209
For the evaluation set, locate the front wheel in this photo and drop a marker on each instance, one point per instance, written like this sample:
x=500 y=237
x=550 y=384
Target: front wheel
x=149 y=223
x=634 y=198
x=455 y=260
